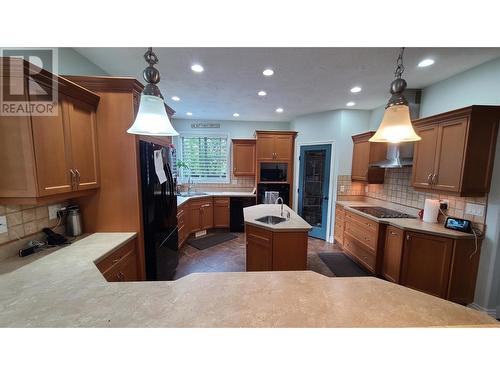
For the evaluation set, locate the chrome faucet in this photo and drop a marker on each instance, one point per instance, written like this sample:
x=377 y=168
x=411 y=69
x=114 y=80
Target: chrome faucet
x=280 y=199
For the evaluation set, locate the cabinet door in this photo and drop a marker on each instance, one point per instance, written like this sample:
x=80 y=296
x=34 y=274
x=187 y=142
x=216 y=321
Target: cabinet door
x=207 y=215
x=393 y=251
x=426 y=263
x=244 y=159
x=265 y=147
x=52 y=152
x=259 y=249
x=83 y=135
x=360 y=160
x=221 y=212
x=450 y=153
x=194 y=217
x=283 y=147
x=424 y=156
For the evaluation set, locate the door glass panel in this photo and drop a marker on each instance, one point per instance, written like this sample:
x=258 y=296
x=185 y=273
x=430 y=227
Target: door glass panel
x=313 y=185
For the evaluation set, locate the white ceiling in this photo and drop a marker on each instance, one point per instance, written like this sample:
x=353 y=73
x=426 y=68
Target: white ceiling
x=306 y=80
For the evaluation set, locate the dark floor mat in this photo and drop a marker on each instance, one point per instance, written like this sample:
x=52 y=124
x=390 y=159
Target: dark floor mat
x=342 y=266
x=211 y=240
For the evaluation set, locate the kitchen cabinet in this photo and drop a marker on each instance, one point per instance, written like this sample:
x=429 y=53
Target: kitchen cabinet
x=121 y=264
x=453 y=145
x=259 y=249
x=201 y=214
x=275 y=146
x=338 y=232
x=393 y=252
x=244 y=157
x=50 y=158
x=361 y=240
x=426 y=263
x=182 y=224
x=221 y=212
x=364 y=153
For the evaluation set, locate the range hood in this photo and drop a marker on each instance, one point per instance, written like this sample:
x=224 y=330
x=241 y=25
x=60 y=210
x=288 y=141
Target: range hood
x=400 y=155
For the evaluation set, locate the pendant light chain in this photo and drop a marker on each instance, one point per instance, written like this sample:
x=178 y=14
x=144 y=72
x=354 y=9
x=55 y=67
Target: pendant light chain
x=399 y=64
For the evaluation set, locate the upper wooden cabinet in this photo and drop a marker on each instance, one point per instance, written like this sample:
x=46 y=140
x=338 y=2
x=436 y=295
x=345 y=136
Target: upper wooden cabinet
x=244 y=157
x=44 y=156
x=364 y=153
x=457 y=151
x=275 y=145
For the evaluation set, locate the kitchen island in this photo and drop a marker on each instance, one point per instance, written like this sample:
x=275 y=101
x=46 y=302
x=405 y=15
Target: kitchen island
x=276 y=238
x=64 y=288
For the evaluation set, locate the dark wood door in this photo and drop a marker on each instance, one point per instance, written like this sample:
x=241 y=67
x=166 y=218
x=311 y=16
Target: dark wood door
x=52 y=146
x=393 y=251
x=424 y=156
x=83 y=144
x=426 y=263
x=244 y=158
x=450 y=153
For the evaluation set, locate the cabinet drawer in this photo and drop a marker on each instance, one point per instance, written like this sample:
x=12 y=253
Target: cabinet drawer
x=124 y=270
x=365 y=223
x=357 y=231
x=339 y=212
x=181 y=218
x=261 y=236
x=221 y=202
x=116 y=256
x=339 y=232
x=359 y=252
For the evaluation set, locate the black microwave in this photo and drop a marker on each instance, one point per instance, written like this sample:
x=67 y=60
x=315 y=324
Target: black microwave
x=274 y=172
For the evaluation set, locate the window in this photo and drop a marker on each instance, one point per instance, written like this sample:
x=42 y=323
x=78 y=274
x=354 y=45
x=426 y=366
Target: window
x=204 y=157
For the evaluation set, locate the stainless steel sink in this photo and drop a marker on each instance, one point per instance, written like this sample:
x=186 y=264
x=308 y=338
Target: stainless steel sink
x=191 y=194
x=273 y=220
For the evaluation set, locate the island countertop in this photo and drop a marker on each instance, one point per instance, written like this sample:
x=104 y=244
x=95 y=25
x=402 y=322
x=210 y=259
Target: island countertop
x=296 y=223
x=64 y=288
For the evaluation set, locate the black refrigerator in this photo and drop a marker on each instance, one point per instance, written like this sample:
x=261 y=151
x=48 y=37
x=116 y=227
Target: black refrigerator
x=159 y=212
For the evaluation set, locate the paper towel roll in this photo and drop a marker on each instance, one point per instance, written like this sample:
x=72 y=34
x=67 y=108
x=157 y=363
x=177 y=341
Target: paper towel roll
x=431 y=210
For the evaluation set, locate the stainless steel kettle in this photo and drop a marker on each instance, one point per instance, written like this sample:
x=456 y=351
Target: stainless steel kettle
x=73 y=221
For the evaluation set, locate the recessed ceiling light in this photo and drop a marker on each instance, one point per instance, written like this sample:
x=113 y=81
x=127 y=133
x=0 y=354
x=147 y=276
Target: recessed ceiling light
x=268 y=72
x=189 y=113
x=350 y=104
x=356 y=89
x=426 y=62
x=236 y=115
x=262 y=93
x=279 y=109
x=197 y=68
x=175 y=98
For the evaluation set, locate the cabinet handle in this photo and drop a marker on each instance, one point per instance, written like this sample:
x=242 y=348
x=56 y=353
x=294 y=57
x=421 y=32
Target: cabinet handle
x=73 y=178
x=206 y=205
x=434 y=179
x=77 y=177
x=393 y=233
x=407 y=237
x=429 y=181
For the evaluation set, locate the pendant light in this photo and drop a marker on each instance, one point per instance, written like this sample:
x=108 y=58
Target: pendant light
x=152 y=118
x=396 y=125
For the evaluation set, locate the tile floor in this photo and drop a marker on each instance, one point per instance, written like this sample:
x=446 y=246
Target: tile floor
x=230 y=257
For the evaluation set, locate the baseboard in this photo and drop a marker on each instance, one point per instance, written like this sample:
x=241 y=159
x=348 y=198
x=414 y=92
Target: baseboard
x=491 y=312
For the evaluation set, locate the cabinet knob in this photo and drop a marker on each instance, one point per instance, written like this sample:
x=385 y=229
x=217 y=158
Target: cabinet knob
x=429 y=181
x=407 y=237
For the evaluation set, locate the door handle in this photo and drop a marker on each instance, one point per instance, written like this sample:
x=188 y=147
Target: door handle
x=325 y=198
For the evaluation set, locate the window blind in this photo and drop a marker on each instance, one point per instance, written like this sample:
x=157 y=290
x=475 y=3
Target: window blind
x=206 y=157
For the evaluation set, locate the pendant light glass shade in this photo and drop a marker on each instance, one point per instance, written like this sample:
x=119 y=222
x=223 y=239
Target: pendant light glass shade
x=152 y=118
x=396 y=126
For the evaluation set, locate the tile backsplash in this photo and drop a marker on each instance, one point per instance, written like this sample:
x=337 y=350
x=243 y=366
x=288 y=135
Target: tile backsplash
x=397 y=189
x=24 y=221
x=235 y=184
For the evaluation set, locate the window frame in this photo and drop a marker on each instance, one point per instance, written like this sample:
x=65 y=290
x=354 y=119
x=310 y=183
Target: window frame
x=206 y=180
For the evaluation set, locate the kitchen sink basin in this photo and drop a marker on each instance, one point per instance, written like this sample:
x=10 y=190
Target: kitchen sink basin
x=273 y=220
x=191 y=194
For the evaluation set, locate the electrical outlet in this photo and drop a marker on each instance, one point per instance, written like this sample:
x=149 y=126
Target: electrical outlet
x=53 y=211
x=474 y=209
x=444 y=204
x=342 y=188
x=3 y=224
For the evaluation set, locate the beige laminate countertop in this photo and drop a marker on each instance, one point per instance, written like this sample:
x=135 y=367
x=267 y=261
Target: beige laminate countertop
x=416 y=225
x=296 y=223
x=64 y=288
x=181 y=200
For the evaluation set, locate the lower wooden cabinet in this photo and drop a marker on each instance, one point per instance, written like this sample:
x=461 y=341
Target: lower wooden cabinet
x=338 y=232
x=183 y=226
x=393 y=252
x=121 y=264
x=259 y=251
x=221 y=212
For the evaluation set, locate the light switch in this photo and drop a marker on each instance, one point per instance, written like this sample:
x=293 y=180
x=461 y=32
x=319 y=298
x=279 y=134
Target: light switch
x=342 y=188
x=474 y=209
x=53 y=211
x=3 y=224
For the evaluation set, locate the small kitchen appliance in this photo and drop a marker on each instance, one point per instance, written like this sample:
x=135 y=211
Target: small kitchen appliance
x=73 y=221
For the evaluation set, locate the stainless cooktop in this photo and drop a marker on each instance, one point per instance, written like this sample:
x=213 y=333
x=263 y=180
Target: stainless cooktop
x=382 y=212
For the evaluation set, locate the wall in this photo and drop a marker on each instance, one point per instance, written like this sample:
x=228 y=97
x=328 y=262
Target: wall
x=235 y=129
x=72 y=63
